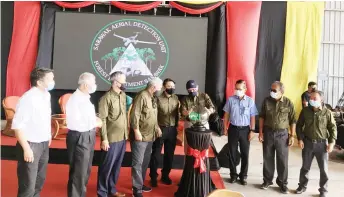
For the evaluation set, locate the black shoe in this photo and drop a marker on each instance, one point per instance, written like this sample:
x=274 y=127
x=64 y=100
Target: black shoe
x=146 y=189
x=243 y=181
x=233 y=180
x=154 y=183
x=138 y=195
x=284 y=189
x=265 y=185
x=166 y=180
x=322 y=194
x=300 y=190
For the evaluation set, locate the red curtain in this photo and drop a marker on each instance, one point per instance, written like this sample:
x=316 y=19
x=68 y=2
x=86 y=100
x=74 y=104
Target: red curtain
x=121 y=5
x=136 y=7
x=24 y=46
x=242 y=33
x=74 y=5
x=194 y=11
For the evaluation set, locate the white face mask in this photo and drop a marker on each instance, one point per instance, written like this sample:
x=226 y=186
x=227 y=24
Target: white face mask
x=239 y=93
x=92 y=89
x=274 y=95
x=315 y=104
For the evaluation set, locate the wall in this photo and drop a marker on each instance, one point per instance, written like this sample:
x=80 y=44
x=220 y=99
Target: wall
x=331 y=60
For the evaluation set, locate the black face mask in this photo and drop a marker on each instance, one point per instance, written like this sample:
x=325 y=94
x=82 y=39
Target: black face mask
x=170 y=91
x=122 y=88
x=192 y=94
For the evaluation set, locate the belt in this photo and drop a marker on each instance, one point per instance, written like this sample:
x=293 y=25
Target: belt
x=239 y=127
x=266 y=128
x=166 y=126
x=316 y=140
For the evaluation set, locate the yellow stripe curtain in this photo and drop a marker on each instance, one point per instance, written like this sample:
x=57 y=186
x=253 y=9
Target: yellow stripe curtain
x=301 y=50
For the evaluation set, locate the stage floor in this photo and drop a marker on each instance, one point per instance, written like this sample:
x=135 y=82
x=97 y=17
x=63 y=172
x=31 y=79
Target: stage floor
x=57 y=178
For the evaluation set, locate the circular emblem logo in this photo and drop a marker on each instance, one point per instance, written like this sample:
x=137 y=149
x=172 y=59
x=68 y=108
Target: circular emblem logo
x=131 y=46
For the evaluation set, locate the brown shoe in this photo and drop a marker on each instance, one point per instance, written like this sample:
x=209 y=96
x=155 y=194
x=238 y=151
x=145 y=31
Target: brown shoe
x=117 y=194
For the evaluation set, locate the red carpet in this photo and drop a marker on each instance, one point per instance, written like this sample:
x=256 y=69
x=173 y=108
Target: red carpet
x=57 y=178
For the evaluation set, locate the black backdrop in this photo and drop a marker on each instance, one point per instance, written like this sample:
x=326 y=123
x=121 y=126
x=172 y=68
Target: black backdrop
x=270 y=47
x=6 y=36
x=216 y=48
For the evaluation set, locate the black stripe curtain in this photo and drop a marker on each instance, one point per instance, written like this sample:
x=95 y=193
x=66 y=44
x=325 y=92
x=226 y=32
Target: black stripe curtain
x=270 y=47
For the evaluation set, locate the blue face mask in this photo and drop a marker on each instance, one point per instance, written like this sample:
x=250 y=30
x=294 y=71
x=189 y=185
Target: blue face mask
x=51 y=86
x=315 y=104
x=274 y=95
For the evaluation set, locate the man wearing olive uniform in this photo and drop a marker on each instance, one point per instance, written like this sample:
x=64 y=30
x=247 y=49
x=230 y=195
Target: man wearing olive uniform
x=317 y=132
x=312 y=86
x=114 y=133
x=168 y=105
x=276 y=116
x=195 y=99
x=144 y=130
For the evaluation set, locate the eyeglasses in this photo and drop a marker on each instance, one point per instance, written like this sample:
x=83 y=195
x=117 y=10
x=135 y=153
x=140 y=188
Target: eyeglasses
x=273 y=90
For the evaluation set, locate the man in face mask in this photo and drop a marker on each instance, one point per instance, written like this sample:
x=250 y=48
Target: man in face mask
x=193 y=100
x=168 y=105
x=81 y=122
x=312 y=86
x=317 y=133
x=114 y=133
x=33 y=132
x=241 y=111
x=144 y=130
x=276 y=117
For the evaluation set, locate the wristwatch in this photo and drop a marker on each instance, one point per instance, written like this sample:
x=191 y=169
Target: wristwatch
x=252 y=130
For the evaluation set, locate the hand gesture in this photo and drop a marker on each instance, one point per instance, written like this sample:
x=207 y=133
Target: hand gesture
x=301 y=144
x=105 y=145
x=260 y=137
x=28 y=155
x=99 y=122
x=330 y=147
x=138 y=136
x=250 y=135
x=159 y=132
x=291 y=141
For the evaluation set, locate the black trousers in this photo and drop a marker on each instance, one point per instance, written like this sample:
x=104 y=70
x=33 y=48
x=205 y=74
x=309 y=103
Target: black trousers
x=169 y=140
x=275 y=142
x=80 y=148
x=109 y=168
x=31 y=176
x=238 y=136
x=141 y=153
x=319 y=151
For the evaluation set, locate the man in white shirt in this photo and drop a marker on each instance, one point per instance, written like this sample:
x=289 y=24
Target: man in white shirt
x=32 y=126
x=81 y=122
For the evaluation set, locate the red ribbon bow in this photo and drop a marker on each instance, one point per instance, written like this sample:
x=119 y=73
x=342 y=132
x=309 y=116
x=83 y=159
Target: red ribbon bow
x=199 y=158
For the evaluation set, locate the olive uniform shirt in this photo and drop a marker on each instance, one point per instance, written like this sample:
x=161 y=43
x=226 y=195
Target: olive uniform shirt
x=316 y=125
x=168 y=110
x=113 y=113
x=144 y=116
x=278 y=115
x=201 y=100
